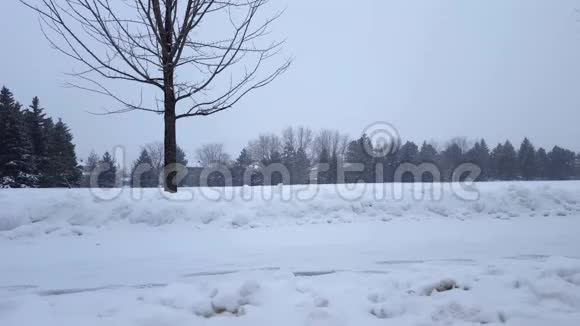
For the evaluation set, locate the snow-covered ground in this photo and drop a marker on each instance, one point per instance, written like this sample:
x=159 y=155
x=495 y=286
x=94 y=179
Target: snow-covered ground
x=510 y=255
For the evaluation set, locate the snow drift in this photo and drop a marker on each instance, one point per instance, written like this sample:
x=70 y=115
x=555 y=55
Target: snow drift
x=29 y=212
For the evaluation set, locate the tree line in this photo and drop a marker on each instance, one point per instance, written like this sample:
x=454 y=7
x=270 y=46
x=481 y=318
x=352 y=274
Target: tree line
x=35 y=151
x=301 y=152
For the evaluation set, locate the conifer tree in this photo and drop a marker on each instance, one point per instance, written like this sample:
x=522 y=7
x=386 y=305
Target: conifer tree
x=289 y=161
x=408 y=153
x=428 y=153
x=542 y=164
x=108 y=176
x=480 y=156
x=360 y=151
x=241 y=165
x=505 y=162
x=527 y=160
x=302 y=167
x=35 y=122
x=181 y=157
x=451 y=158
x=62 y=168
x=89 y=167
x=17 y=167
x=561 y=163
x=142 y=173
x=324 y=165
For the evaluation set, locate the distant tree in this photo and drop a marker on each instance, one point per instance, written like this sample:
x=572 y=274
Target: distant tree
x=542 y=164
x=181 y=157
x=62 y=168
x=333 y=168
x=35 y=120
x=505 y=162
x=108 y=177
x=276 y=177
x=408 y=153
x=298 y=137
x=302 y=167
x=480 y=156
x=156 y=153
x=89 y=166
x=289 y=160
x=240 y=166
x=451 y=158
x=360 y=151
x=561 y=166
x=212 y=154
x=17 y=168
x=142 y=173
x=333 y=141
x=324 y=167
x=577 y=167
x=428 y=153
x=527 y=160
x=264 y=147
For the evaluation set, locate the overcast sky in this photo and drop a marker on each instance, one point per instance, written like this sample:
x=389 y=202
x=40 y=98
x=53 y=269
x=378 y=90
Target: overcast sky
x=434 y=69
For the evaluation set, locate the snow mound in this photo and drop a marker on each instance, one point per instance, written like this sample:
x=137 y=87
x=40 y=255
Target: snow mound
x=74 y=212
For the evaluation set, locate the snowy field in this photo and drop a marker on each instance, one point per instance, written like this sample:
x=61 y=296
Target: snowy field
x=292 y=256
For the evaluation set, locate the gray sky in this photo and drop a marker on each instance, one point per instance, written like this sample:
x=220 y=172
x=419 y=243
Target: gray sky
x=435 y=69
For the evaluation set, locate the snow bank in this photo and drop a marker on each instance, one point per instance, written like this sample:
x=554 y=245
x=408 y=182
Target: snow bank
x=30 y=212
x=517 y=293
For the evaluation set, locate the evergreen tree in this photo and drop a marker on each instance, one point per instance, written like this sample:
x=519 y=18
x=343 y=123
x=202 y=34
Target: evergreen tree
x=505 y=162
x=428 y=153
x=17 y=167
x=35 y=122
x=181 y=158
x=89 y=167
x=561 y=163
x=142 y=173
x=241 y=165
x=289 y=161
x=276 y=158
x=408 y=153
x=577 y=167
x=62 y=169
x=542 y=164
x=324 y=172
x=108 y=176
x=360 y=151
x=451 y=158
x=333 y=168
x=527 y=160
x=480 y=156
x=302 y=167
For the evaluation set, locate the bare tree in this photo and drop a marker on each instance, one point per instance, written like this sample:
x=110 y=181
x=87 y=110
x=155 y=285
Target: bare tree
x=263 y=148
x=298 y=137
x=156 y=153
x=211 y=154
x=333 y=141
x=186 y=50
x=463 y=143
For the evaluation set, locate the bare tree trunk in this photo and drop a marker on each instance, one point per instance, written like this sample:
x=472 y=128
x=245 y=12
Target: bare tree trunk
x=170 y=141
